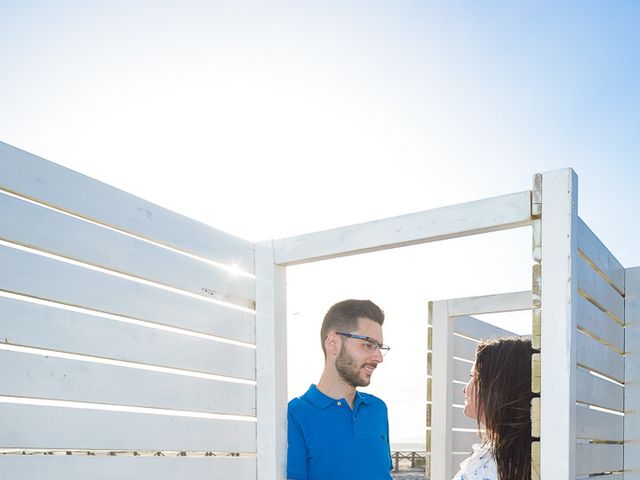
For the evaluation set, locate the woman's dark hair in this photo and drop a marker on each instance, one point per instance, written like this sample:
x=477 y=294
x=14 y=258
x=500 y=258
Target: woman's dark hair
x=503 y=399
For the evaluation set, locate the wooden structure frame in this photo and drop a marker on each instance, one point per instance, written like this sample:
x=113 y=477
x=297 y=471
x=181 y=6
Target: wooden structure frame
x=84 y=212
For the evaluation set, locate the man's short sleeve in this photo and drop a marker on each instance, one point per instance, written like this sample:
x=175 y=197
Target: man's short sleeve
x=296 y=451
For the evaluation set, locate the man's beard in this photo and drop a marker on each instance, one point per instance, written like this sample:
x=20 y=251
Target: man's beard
x=350 y=373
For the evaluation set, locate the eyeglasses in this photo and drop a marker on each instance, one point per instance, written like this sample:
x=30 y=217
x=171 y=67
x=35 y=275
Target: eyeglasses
x=370 y=344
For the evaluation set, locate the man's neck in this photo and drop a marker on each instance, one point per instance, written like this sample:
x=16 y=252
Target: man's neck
x=336 y=388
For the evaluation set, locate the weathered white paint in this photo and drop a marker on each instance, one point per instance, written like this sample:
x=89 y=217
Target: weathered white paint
x=33 y=275
x=598 y=357
x=461 y=421
x=597 y=253
x=504 y=302
x=598 y=425
x=464 y=348
x=42 y=326
x=594 y=286
x=597 y=391
x=442 y=390
x=597 y=458
x=632 y=375
x=39 y=376
x=462 y=442
x=558 y=363
x=80 y=429
x=271 y=364
x=38 y=179
x=79 y=467
x=488 y=215
x=477 y=329
x=597 y=322
x=54 y=232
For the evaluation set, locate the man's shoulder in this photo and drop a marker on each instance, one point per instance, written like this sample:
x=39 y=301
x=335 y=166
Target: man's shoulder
x=372 y=399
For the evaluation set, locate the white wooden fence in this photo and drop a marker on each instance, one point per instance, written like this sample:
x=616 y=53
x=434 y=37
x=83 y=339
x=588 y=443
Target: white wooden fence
x=137 y=343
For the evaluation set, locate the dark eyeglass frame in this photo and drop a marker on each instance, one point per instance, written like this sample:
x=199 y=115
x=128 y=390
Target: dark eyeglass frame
x=384 y=349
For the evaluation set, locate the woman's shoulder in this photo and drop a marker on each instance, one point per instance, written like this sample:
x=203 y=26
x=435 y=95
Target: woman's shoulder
x=479 y=466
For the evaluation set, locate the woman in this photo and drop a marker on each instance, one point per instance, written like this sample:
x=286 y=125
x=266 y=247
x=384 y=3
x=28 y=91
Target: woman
x=498 y=396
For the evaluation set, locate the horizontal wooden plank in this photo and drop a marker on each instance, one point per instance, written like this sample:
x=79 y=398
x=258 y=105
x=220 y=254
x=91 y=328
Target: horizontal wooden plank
x=461 y=370
x=600 y=324
x=38 y=376
x=463 y=441
x=597 y=391
x=461 y=421
x=611 y=476
x=598 y=458
x=598 y=289
x=473 y=328
x=35 y=178
x=597 y=425
x=491 y=214
x=54 y=232
x=504 y=302
x=458 y=394
x=45 y=427
x=41 y=326
x=595 y=356
x=464 y=348
x=78 y=467
x=33 y=275
x=593 y=248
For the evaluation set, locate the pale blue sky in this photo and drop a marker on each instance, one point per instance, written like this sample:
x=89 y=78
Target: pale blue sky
x=269 y=119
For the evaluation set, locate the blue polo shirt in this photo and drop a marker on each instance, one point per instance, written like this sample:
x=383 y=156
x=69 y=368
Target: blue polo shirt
x=329 y=441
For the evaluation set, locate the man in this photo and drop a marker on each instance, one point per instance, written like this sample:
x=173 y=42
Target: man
x=335 y=431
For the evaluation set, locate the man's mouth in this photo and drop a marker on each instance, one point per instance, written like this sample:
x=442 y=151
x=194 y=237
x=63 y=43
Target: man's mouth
x=369 y=368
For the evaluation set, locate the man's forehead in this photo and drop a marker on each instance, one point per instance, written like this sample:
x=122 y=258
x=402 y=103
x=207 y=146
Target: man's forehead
x=368 y=327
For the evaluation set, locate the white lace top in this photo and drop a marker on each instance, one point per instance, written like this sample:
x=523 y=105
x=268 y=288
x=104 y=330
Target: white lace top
x=479 y=466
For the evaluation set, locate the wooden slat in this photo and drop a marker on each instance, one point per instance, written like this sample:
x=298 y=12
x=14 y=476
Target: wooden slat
x=477 y=329
x=271 y=363
x=54 y=378
x=460 y=421
x=598 y=323
x=593 y=248
x=458 y=395
x=461 y=370
x=43 y=427
x=463 y=441
x=492 y=214
x=612 y=476
x=595 y=356
x=597 y=458
x=632 y=374
x=33 y=275
x=54 y=232
x=558 y=329
x=504 y=302
x=35 y=178
x=597 y=425
x=597 y=288
x=40 y=326
x=597 y=391
x=464 y=348
x=78 y=467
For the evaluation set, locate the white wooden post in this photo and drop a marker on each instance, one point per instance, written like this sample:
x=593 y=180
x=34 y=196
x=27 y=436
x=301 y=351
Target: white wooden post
x=558 y=335
x=632 y=375
x=441 y=391
x=271 y=364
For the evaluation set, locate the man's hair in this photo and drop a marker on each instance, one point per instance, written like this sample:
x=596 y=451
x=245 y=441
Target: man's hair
x=344 y=316
x=503 y=398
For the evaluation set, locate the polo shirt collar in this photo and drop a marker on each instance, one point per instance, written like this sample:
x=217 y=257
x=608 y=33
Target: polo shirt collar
x=319 y=400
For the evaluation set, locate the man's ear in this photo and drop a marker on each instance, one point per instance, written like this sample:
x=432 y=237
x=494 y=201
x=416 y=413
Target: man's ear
x=332 y=344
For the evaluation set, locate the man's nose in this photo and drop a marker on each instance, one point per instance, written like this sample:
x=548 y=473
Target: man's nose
x=378 y=356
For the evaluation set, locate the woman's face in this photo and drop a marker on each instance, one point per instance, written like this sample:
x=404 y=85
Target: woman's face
x=470 y=407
